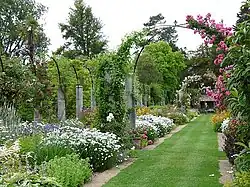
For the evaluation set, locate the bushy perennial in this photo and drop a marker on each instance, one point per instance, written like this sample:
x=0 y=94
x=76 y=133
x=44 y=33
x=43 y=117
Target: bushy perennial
x=157 y=123
x=100 y=148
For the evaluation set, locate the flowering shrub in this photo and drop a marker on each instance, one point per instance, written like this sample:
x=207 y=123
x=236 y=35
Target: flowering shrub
x=215 y=34
x=220 y=116
x=161 y=125
x=101 y=148
x=143 y=111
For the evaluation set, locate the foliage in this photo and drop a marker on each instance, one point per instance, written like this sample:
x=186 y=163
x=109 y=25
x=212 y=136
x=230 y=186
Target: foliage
x=166 y=34
x=26 y=179
x=167 y=65
x=147 y=70
x=242 y=162
x=191 y=114
x=29 y=143
x=110 y=93
x=242 y=179
x=69 y=170
x=237 y=131
x=243 y=15
x=41 y=153
x=238 y=82
x=83 y=31
x=178 y=118
x=16 y=16
x=9 y=121
x=200 y=62
x=9 y=158
x=89 y=117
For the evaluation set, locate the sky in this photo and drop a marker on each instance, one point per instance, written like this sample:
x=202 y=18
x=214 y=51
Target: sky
x=121 y=17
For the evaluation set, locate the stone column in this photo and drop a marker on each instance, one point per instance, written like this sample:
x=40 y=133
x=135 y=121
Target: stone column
x=93 y=102
x=79 y=101
x=61 y=111
x=130 y=99
x=37 y=116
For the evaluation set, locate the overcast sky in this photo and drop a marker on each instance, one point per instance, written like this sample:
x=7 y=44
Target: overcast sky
x=123 y=16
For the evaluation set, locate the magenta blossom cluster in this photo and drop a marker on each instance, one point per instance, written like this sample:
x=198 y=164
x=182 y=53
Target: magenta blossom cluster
x=210 y=31
x=220 y=93
x=215 y=34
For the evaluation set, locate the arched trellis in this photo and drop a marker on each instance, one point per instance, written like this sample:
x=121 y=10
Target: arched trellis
x=93 y=102
x=61 y=95
x=143 y=45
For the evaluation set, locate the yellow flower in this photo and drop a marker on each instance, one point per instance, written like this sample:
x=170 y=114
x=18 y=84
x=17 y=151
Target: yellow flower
x=220 y=116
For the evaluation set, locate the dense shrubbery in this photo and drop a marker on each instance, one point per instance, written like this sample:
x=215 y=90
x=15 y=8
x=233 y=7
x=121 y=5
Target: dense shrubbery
x=69 y=170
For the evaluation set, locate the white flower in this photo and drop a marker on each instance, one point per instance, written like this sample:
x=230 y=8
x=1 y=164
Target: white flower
x=224 y=125
x=110 y=117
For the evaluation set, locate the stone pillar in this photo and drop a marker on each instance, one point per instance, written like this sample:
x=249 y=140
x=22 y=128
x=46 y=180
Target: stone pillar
x=130 y=99
x=37 y=116
x=61 y=111
x=93 y=102
x=79 y=101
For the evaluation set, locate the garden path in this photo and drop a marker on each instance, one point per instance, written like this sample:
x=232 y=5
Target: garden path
x=188 y=159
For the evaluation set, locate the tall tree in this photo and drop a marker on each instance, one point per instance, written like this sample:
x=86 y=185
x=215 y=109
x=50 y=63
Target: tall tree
x=16 y=17
x=83 y=31
x=244 y=13
x=159 y=59
x=167 y=34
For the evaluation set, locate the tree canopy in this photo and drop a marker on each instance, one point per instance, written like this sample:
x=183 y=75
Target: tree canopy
x=82 y=32
x=16 y=18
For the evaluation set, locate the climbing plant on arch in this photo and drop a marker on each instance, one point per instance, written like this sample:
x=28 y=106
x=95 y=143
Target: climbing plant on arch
x=111 y=74
x=190 y=91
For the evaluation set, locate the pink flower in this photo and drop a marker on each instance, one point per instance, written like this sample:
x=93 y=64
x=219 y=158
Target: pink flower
x=208 y=15
x=189 y=17
x=211 y=41
x=227 y=93
x=150 y=142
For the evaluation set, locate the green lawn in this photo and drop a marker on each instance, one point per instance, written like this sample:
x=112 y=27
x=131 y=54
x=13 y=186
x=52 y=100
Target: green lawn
x=185 y=160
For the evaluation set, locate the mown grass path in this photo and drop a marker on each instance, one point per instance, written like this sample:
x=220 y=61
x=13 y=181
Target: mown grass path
x=187 y=159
